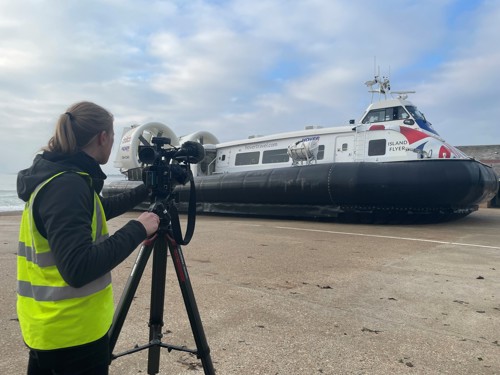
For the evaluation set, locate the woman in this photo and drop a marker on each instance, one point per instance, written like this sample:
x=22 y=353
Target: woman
x=65 y=299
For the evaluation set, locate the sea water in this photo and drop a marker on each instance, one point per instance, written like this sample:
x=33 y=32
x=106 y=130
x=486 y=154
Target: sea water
x=9 y=200
x=8 y=194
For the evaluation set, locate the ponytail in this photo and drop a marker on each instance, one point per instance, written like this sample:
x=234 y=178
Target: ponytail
x=77 y=127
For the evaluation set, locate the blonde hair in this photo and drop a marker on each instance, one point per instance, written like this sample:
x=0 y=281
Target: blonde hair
x=76 y=128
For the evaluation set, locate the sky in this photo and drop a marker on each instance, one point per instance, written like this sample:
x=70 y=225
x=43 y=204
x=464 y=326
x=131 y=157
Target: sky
x=237 y=68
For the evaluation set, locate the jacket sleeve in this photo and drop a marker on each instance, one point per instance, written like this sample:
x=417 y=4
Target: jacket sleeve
x=116 y=205
x=65 y=208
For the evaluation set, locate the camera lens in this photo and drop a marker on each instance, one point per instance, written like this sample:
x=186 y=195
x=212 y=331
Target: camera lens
x=147 y=155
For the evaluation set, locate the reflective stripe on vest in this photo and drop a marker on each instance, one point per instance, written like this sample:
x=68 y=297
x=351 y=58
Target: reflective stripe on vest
x=51 y=313
x=44 y=259
x=49 y=293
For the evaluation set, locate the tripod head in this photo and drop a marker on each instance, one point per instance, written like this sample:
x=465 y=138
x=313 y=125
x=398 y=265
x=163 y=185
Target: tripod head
x=170 y=166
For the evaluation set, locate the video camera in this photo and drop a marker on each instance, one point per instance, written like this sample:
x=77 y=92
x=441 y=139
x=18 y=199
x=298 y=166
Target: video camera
x=168 y=166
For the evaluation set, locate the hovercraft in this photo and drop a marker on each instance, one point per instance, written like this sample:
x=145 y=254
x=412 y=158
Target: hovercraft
x=391 y=166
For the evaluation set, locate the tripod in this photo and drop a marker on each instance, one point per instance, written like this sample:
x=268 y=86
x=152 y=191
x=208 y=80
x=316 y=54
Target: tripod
x=163 y=239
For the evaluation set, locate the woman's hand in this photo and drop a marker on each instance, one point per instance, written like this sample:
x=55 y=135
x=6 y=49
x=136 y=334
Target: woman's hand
x=150 y=221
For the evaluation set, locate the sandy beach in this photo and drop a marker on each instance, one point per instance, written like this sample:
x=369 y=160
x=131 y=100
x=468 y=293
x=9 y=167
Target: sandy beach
x=302 y=297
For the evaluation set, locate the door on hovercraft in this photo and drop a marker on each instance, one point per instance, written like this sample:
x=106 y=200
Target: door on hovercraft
x=344 y=148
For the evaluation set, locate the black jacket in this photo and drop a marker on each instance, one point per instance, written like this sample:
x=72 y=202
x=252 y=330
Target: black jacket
x=63 y=214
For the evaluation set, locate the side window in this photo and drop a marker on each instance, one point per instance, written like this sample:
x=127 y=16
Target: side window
x=402 y=114
x=394 y=113
x=275 y=156
x=247 y=158
x=377 y=147
x=321 y=152
x=344 y=146
x=390 y=114
x=374 y=116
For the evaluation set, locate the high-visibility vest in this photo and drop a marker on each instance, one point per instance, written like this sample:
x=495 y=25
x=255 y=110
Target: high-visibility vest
x=52 y=314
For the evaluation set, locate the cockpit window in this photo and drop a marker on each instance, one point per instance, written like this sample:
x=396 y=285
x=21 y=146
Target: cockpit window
x=385 y=114
x=417 y=115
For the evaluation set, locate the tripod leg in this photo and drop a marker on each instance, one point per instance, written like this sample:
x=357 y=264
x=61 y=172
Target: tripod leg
x=128 y=294
x=203 y=351
x=157 y=301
